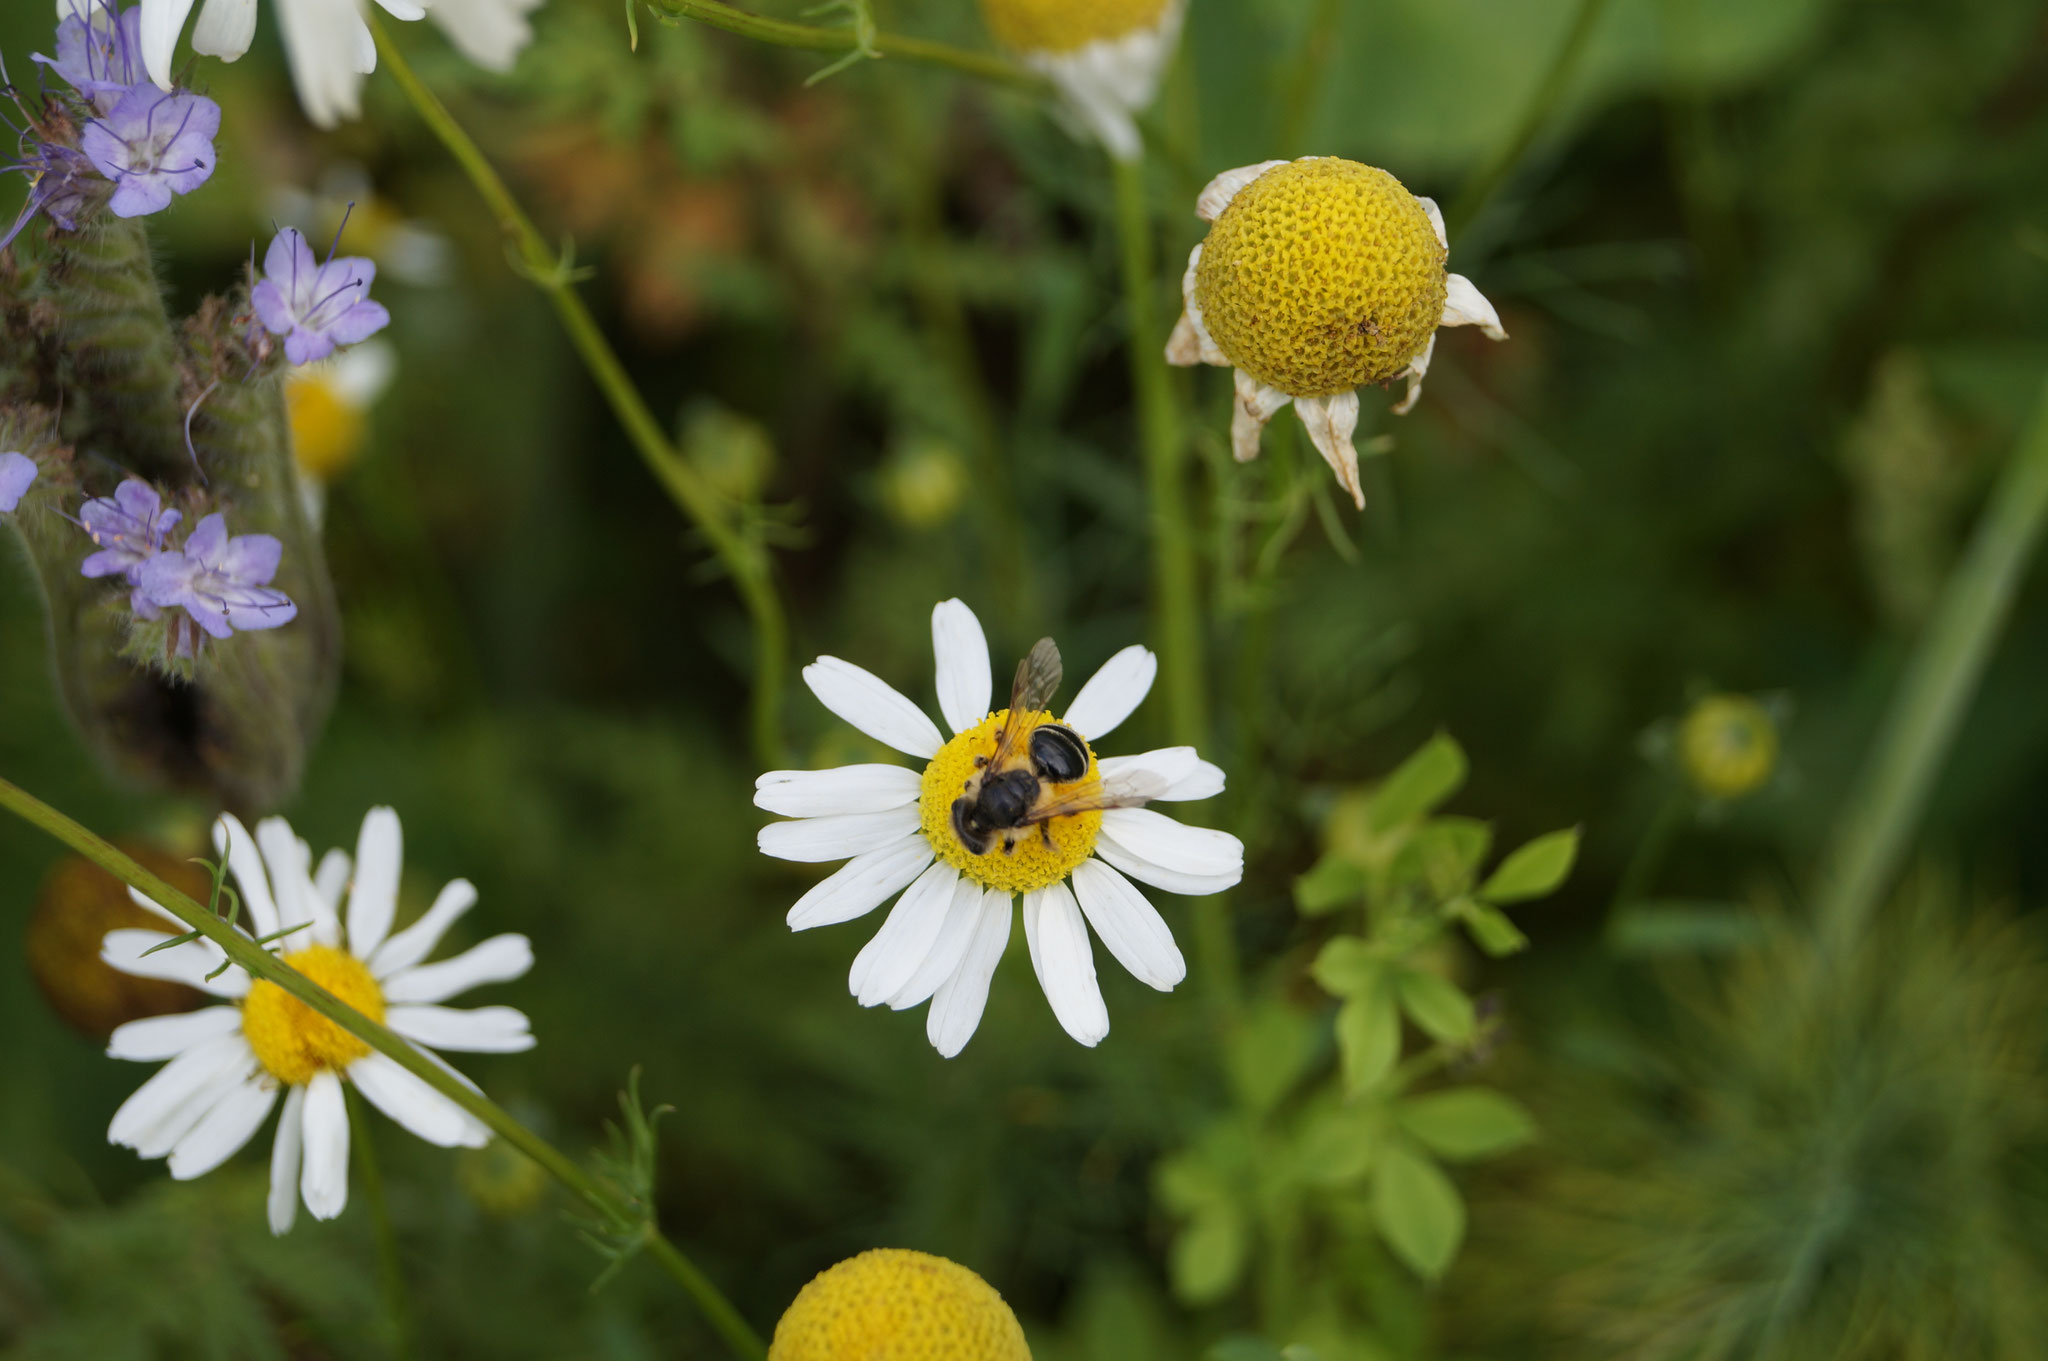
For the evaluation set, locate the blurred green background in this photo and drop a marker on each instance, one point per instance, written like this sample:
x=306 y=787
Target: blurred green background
x=1774 y=272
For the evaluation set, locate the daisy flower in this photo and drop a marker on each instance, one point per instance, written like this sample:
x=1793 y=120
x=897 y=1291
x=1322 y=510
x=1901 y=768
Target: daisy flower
x=958 y=868
x=1318 y=277
x=1105 y=56
x=229 y=1063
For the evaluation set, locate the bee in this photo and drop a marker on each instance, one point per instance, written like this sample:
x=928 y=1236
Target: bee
x=1029 y=780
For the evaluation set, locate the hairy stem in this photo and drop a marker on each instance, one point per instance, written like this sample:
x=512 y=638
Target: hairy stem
x=739 y=1338
x=819 y=38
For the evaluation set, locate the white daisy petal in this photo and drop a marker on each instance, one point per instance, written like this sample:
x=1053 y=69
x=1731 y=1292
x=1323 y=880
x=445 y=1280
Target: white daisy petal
x=188 y=1083
x=1191 y=342
x=1113 y=692
x=1219 y=192
x=289 y=862
x=230 y=1124
x=163 y=1037
x=1185 y=774
x=1417 y=370
x=844 y=789
x=330 y=881
x=867 y=702
x=482 y=1030
x=1331 y=423
x=191 y=963
x=1160 y=876
x=373 y=898
x=323 y=1120
x=1465 y=305
x=231 y=840
x=1130 y=927
x=943 y=959
x=225 y=28
x=285 y=1150
x=417 y=941
x=1436 y=219
x=1065 y=963
x=157 y=909
x=414 y=1105
x=491 y=33
x=812 y=840
x=497 y=960
x=162 y=22
x=861 y=885
x=957 y=1006
x=1256 y=404
x=1164 y=841
x=906 y=939
x=966 y=687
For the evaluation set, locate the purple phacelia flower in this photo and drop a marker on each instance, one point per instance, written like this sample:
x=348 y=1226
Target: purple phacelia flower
x=317 y=308
x=130 y=528
x=222 y=583
x=100 y=56
x=152 y=145
x=17 y=475
x=60 y=180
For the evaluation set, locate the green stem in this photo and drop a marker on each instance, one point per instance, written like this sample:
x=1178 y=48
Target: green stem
x=1883 y=811
x=1556 y=80
x=1318 y=42
x=817 y=38
x=744 y=560
x=260 y=963
x=1641 y=871
x=388 y=1265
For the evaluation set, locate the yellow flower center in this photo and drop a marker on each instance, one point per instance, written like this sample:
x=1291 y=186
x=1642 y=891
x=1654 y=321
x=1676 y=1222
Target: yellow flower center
x=292 y=1041
x=1322 y=276
x=1020 y=859
x=1058 y=26
x=894 y=1305
x=1728 y=745
x=327 y=429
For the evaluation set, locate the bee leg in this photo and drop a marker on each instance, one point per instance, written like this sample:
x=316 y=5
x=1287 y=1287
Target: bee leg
x=1045 y=830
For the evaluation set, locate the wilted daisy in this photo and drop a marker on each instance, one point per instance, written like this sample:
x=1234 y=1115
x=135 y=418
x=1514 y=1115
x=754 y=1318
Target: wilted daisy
x=1106 y=56
x=984 y=821
x=229 y=1063
x=1318 y=277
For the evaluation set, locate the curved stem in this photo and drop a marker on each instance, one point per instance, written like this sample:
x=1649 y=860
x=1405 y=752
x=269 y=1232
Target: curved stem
x=745 y=560
x=260 y=963
x=818 y=38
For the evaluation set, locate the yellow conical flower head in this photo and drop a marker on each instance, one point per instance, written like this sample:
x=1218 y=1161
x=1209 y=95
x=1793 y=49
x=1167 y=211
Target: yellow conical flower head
x=1068 y=25
x=894 y=1305
x=1728 y=745
x=1321 y=276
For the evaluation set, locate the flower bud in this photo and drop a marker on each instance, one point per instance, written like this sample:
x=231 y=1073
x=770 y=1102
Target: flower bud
x=906 y=1306
x=1727 y=746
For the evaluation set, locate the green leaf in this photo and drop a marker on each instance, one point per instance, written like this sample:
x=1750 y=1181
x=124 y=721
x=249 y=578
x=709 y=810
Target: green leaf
x=1444 y=855
x=1419 y=783
x=1335 y=882
x=1208 y=1256
x=1368 y=1037
x=1267 y=1054
x=1534 y=870
x=1438 y=1005
x=1347 y=967
x=1417 y=1209
x=1468 y=1122
x=1335 y=1146
x=1490 y=928
x=1242 y=1348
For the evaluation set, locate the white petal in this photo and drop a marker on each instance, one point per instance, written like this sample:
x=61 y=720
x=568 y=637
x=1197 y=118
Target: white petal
x=966 y=688
x=1191 y=342
x=812 y=840
x=484 y=1030
x=1065 y=963
x=285 y=1152
x=417 y=941
x=1331 y=423
x=497 y=960
x=323 y=46
x=491 y=33
x=188 y=1083
x=373 y=897
x=189 y=963
x=844 y=789
x=291 y=883
x=1255 y=405
x=861 y=885
x=1164 y=841
x=1465 y=305
x=957 y=1006
x=157 y=909
x=943 y=959
x=231 y=840
x=405 y=9
x=1418 y=367
x=1186 y=775
x=1164 y=877
x=1219 y=192
x=1436 y=219
x=414 y=1105
x=906 y=939
x=869 y=704
x=162 y=21
x=230 y=1124
x=1111 y=693
x=1100 y=110
x=163 y=1037
x=225 y=28
x=323 y=1118
x=330 y=881
x=1130 y=927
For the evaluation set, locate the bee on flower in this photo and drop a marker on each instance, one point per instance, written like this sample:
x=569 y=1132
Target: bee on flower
x=1016 y=802
x=1105 y=56
x=1318 y=277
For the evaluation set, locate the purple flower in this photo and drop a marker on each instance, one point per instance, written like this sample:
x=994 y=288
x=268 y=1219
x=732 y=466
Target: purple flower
x=100 y=56
x=130 y=528
x=153 y=145
x=315 y=307
x=60 y=179
x=17 y=475
x=221 y=582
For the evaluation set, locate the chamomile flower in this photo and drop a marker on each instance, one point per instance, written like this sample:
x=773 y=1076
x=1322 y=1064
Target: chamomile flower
x=1318 y=277
x=902 y=1305
x=328 y=406
x=1106 y=56
x=1055 y=843
x=228 y=1064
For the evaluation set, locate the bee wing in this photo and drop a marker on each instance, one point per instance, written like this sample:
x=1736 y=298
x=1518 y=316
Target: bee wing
x=1124 y=789
x=1038 y=679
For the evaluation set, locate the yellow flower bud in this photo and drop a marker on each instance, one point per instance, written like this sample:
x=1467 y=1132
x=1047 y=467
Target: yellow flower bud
x=895 y=1305
x=1728 y=746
